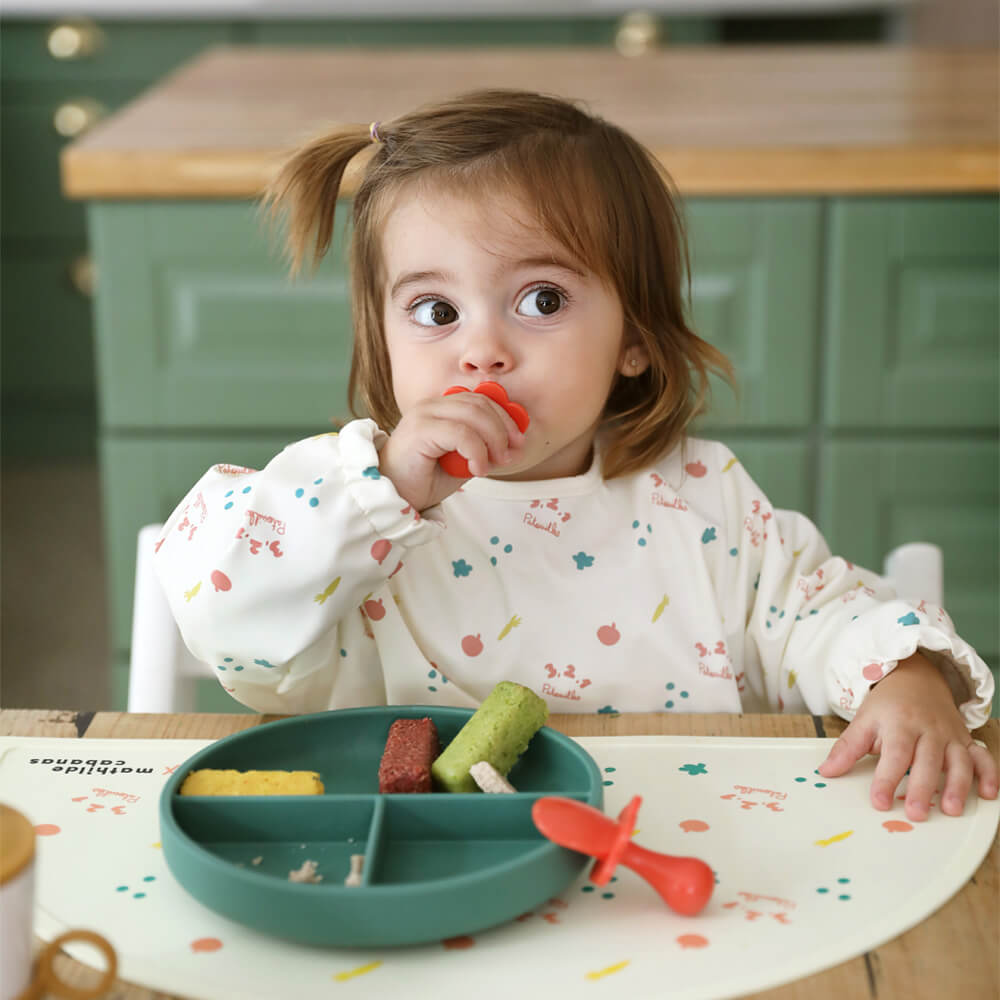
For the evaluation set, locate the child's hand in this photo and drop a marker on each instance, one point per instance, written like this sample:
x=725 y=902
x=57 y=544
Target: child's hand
x=467 y=422
x=909 y=718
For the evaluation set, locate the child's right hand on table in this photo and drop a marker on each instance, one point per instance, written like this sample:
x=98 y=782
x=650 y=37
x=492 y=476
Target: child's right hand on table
x=470 y=423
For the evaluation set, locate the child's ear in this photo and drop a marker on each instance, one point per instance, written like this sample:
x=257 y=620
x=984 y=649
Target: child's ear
x=633 y=361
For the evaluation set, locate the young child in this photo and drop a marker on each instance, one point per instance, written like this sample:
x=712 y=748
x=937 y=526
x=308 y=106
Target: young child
x=600 y=557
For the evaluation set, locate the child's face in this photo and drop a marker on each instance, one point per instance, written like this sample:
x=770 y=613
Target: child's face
x=473 y=295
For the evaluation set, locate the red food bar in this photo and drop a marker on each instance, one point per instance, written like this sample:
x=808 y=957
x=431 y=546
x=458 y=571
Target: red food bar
x=410 y=749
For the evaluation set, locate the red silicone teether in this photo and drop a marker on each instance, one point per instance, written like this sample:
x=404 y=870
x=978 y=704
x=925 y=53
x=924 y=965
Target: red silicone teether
x=684 y=884
x=453 y=463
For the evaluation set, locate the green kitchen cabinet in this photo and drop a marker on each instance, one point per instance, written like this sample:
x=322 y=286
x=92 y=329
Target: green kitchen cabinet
x=755 y=295
x=912 y=327
x=198 y=325
x=883 y=492
x=33 y=208
x=49 y=95
x=496 y=30
x=109 y=50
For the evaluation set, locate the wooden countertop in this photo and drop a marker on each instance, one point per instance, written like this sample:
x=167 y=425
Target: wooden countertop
x=951 y=953
x=724 y=121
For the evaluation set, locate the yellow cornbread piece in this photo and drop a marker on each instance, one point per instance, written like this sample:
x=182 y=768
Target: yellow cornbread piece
x=210 y=781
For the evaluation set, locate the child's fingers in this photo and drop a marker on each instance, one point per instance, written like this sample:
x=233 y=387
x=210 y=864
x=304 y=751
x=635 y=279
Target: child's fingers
x=856 y=741
x=473 y=445
x=485 y=430
x=925 y=772
x=959 y=768
x=894 y=759
x=986 y=767
x=490 y=409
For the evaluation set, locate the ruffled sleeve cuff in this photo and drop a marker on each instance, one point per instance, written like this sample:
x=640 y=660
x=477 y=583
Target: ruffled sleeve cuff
x=875 y=642
x=389 y=515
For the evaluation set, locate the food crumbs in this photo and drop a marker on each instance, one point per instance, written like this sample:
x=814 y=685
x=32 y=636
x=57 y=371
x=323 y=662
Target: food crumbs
x=307 y=873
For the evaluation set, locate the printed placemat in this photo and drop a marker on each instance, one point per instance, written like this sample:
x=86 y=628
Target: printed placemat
x=808 y=875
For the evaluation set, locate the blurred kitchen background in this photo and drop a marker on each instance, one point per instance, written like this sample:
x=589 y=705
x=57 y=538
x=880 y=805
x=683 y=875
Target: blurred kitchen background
x=85 y=459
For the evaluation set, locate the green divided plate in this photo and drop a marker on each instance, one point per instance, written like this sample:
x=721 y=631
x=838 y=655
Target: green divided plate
x=436 y=865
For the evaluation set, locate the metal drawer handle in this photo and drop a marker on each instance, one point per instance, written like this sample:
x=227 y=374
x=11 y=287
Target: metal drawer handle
x=83 y=274
x=73 y=118
x=638 y=34
x=71 y=40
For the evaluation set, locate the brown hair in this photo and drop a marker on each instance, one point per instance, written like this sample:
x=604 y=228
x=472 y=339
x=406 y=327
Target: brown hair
x=586 y=183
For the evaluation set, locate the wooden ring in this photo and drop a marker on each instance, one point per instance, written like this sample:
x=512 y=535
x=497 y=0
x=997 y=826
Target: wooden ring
x=53 y=984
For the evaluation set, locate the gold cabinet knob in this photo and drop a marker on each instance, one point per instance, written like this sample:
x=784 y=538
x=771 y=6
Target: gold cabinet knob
x=73 y=118
x=83 y=274
x=70 y=40
x=638 y=34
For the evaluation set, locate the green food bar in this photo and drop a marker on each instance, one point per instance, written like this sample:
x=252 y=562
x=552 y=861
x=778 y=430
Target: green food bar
x=499 y=732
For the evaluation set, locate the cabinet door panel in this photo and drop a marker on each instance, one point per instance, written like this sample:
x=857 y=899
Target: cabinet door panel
x=913 y=313
x=199 y=326
x=881 y=494
x=755 y=292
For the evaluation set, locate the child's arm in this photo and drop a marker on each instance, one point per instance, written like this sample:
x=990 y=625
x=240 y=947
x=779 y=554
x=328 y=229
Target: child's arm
x=265 y=571
x=825 y=634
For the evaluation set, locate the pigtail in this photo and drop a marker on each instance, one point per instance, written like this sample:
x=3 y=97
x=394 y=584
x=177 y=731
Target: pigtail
x=304 y=193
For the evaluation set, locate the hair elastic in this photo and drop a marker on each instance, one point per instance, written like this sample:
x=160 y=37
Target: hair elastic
x=373 y=132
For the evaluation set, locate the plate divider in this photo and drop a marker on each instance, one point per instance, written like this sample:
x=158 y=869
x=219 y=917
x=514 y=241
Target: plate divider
x=376 y=842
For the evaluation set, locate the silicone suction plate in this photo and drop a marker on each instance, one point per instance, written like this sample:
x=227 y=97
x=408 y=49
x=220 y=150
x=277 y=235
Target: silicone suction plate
x=436 y=865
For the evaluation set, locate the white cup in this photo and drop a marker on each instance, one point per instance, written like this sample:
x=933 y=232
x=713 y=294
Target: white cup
x=17 y=897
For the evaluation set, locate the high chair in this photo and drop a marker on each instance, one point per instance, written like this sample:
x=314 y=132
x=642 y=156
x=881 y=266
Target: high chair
x=163 y=674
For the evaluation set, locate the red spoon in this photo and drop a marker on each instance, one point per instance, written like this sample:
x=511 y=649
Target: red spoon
x=453 y=463
x=685 y=884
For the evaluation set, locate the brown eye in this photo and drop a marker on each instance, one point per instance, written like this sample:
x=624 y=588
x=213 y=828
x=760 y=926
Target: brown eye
x=434 y=313
x=540 y=302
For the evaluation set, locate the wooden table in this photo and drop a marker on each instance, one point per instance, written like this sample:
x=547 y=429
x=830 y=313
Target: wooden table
x=735 y=121
x=951 y=954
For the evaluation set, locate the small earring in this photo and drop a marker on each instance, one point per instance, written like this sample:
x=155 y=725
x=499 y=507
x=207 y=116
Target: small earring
x=634 y=363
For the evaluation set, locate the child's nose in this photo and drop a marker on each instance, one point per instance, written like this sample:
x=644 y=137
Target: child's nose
x=487 y=354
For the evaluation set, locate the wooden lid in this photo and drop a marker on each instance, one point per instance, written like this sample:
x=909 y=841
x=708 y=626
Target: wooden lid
x=17 y=843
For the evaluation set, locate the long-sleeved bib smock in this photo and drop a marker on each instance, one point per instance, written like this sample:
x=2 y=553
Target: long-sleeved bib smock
x=311 y=584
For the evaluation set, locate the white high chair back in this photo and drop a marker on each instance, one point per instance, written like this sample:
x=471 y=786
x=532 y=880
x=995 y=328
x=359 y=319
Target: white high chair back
x=163 y=674
x=916 y=571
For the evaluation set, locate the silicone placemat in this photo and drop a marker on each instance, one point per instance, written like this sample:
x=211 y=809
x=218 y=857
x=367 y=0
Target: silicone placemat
x=808 y=875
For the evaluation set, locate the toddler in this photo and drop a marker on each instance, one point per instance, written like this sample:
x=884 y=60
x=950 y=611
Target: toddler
x=600 y=555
